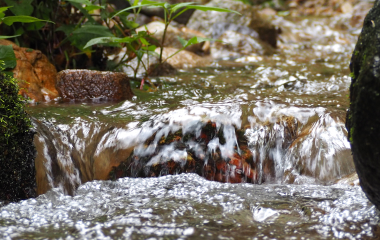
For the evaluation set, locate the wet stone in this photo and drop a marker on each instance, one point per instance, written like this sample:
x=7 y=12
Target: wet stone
x=82 y=85
x=36 y=75
x=363 y=116
x=204 y=155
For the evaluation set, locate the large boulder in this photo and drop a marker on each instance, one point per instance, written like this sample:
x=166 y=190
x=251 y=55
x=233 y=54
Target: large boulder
x=363 y=117
x=35 y=73
x=83 y=85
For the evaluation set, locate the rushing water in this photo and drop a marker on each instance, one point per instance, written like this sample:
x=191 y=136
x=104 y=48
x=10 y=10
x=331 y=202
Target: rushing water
x=188 y=206
x=291 y=107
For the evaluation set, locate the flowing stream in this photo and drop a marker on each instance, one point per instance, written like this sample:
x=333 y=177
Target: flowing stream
x=291 y=109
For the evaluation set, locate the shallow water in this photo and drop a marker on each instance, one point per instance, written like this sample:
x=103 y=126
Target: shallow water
x=187 y=206
x=306 y=81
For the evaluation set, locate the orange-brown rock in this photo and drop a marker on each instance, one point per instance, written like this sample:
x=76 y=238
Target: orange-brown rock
x=82 y=85
x=35 y=73
x=237 y=168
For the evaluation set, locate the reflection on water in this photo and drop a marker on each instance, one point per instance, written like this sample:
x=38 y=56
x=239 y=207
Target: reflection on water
x=187 y=206
x=291 y=107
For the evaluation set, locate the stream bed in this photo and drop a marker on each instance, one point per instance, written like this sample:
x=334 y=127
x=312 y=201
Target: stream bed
x=310 y=193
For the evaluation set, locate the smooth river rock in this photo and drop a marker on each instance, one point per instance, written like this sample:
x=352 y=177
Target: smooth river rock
x=363 y=117
x=83 y=85
x=35 y=73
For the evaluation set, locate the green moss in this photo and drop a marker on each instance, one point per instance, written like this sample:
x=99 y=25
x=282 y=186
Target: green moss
x=352 y=75
x=356 y=53
x=351 y=133
x=17 y=152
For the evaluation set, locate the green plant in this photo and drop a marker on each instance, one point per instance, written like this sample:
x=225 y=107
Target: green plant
x=6 y=52
x=137 y=42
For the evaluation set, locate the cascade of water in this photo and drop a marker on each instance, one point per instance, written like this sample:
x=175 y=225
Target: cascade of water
x=280 y=144
x=54 y=165
x=288 y=142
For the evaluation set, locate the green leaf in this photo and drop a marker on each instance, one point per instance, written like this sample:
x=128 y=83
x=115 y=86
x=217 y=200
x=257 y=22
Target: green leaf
x=25 y=19
x=130 y=8
x=178 y=6
x=3 y=9
x=153 y=3
x=5 y=37
x=93 y=29
x=144 y=41
x=182 y=41
x=207 y=8
x=93 y=7
x=131 y=24
x=150 y=48
x=100 y=40
x=35 y=26
x=20 y=7
x=67 y=29
x=195 y=40
x=86 y=2
x=8 y=56
x=108 y=40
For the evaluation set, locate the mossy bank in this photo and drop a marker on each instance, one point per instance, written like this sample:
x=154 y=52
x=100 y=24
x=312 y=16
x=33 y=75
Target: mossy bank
x=17 y=152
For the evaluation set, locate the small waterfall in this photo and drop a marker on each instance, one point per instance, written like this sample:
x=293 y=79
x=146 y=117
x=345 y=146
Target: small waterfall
x=321 y=151
x=281 y=144
x=269 y=143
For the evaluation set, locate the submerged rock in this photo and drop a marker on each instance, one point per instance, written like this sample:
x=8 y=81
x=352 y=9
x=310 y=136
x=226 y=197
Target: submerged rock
x=215 y=151
x=363 y=117
x=35 y=73
x=218 y=153
x=82 y=85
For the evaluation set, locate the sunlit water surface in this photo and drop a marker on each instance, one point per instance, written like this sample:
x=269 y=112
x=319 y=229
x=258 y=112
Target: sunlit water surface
x=187 y=206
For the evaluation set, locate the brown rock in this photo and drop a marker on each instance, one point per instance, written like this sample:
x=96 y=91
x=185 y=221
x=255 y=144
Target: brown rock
x=35 y=73
x=82 y=85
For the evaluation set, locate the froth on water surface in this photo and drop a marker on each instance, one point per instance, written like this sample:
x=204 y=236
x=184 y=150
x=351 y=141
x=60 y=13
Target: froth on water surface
x=187 y=206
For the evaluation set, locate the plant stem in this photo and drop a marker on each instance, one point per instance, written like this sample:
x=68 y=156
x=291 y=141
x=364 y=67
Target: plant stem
x=167 y=22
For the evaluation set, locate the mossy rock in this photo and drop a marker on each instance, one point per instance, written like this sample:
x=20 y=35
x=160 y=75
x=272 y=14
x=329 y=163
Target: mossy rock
x=363 y=117
x=17 y=152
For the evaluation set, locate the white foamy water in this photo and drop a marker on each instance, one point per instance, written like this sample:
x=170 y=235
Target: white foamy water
x=187 y=206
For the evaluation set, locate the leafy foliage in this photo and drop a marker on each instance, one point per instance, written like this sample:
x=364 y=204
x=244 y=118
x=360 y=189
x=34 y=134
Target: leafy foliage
x=7 y=56
x=6 y=52
x=137 y=42
x=87 y=31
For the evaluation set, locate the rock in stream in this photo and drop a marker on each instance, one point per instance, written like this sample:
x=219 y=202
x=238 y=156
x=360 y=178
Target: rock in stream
x=363 y=117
